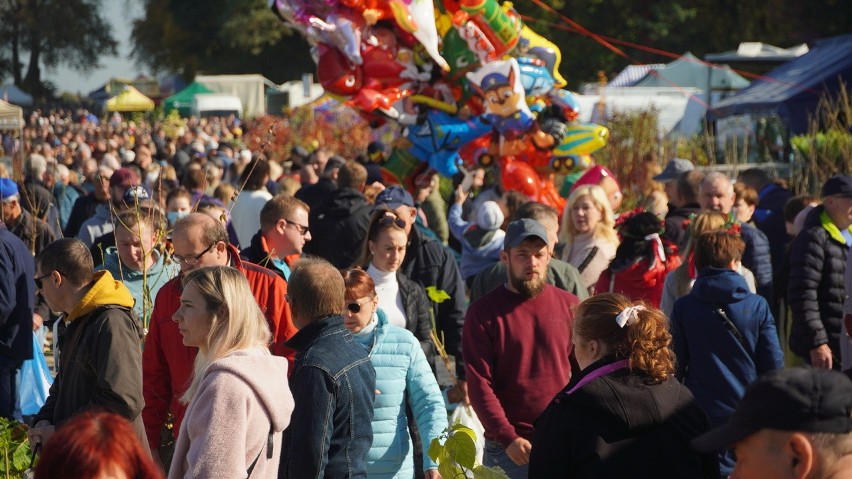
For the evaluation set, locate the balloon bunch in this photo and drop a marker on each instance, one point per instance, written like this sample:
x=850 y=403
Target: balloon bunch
x=469 y=82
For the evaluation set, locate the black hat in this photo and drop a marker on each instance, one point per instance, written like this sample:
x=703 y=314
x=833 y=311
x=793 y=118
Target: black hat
x=838 y=186
x=798 y=399
x=522 y=229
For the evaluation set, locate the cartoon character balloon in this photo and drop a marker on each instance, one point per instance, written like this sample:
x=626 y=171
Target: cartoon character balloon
x=499 y=83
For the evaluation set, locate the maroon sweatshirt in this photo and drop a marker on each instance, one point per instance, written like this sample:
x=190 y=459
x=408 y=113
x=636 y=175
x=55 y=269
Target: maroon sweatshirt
x=516 y=353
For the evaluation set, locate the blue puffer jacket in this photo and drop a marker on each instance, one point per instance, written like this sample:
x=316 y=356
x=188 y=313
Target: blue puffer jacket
x=711 y=362
x=402 y=373
x=758 y=259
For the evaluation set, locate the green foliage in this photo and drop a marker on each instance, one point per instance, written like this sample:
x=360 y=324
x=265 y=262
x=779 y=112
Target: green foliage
x=217 y=37
x=455 y=453
x=14 y=447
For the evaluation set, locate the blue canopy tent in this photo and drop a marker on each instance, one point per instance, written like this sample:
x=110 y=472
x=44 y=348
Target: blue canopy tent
x=793 y=90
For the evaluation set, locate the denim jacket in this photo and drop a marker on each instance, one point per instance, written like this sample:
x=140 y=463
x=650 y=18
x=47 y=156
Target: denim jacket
x=333 y=384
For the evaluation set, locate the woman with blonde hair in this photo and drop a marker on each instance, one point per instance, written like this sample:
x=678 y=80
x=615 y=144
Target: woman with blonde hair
x=679 y=282
x=588 y=233
x=623 y=415
x=239 y=400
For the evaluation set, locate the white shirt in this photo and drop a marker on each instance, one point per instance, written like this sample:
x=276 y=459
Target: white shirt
x=389 y=298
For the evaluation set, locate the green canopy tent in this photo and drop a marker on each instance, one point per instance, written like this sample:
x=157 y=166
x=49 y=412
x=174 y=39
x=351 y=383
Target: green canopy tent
x=182 y=100
x=689 y=71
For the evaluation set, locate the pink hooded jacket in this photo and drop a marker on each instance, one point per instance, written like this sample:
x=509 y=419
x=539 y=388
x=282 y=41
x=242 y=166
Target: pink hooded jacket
x=242 y=397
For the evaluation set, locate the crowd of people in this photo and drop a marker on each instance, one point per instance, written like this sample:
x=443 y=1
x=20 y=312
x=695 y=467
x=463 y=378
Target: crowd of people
x=219 y=312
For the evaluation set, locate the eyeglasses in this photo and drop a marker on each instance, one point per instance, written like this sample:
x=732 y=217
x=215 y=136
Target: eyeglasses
x=38 y=281
x=355 y=307
x=191 y=260
x=302 y=229
x=389 y=219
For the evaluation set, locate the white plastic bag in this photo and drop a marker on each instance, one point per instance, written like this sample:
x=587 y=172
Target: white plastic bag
x=465 y=416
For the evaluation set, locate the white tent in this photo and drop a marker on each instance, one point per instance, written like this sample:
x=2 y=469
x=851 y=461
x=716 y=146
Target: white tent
x=11 y=116
x=250 y=88
x=14 y=95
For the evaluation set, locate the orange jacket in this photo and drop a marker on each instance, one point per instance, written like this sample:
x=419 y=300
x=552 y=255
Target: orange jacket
x=167 y=364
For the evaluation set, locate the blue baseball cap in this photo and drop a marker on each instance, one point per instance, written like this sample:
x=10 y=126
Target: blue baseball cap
x=7 y=188
x=494 y=80
x=393 y=197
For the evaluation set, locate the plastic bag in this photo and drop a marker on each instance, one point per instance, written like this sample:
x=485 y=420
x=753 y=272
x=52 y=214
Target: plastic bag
x=465 y=416
x=34 y=380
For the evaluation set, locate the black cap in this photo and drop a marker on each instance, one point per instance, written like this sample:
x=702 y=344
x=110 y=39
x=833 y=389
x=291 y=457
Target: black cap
x=522 y=229
x=798 y=399
x=838 y=186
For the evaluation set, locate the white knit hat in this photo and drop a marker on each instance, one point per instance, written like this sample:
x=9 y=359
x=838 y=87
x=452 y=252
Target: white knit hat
x=489 y=216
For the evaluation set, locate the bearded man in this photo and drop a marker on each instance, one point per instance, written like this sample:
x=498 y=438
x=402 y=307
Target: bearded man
x=516 y=344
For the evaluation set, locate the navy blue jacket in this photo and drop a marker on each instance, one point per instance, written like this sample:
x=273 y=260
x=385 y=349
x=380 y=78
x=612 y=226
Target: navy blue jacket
x=333 y=385
x=711 y=362
x=769 y=218
x=17 y=296
x=758 y=259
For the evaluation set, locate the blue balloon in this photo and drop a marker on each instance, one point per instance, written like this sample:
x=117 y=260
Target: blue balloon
x=439 y=136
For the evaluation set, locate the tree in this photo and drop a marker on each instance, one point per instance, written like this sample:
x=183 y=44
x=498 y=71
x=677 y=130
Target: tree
x=218 y=36
x=52 y=32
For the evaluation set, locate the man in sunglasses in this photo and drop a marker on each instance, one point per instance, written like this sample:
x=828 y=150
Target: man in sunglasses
x=199 y=241
x=430 y=264
x=101 y=362
x=283 y=234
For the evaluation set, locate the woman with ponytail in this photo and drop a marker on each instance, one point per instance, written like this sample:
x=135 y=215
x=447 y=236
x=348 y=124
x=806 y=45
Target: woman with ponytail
x=642 y=260
x=623 y=415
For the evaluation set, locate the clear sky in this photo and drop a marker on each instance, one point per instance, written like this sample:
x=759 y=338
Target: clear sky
x=120 y=14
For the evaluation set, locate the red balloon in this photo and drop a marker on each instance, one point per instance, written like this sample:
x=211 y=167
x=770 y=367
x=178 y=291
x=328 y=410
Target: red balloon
x=521 y=177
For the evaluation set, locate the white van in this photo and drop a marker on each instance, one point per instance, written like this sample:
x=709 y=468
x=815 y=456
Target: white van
x=216 y=104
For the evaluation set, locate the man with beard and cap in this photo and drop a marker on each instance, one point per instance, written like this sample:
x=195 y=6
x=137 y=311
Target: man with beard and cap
x=516 y=344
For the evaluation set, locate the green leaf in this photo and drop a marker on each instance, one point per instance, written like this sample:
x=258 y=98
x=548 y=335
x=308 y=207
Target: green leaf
x=462 y=447
x=436 y=450
x=449 y=470
x=22 y=457
x=483 y=472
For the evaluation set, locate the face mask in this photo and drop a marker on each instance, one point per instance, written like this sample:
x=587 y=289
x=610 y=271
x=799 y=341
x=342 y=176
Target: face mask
x=173 y=216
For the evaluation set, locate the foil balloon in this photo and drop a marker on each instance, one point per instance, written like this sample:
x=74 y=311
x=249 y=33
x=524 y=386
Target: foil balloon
x=499 y=26
x=302 y=11
x=460 y=58
x=438 y=137
x=570 y=164
x=498 y=83
x=335 y=73
x=535 y=77
x=531 y=44
x=582 y=139
x=418 y=19
x=339 y=31
x=519 y=176
x=566 y=105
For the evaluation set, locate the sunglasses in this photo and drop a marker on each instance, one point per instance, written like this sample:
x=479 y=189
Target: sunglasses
x=38 y=281
x=355 y=307
x=389 y=220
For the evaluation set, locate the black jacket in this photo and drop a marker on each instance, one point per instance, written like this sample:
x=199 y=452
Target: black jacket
x=84 y=208
x=257 y=254
x=339 y=226
x=17 y=291
x=433 y=267
x=769 y=218
x=418 y=318
x=621 y=426
x=674 y=230
x=316 y=193
x=816 y=290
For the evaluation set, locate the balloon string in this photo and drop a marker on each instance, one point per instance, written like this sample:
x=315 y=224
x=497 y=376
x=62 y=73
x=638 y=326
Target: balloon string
x=582 y=29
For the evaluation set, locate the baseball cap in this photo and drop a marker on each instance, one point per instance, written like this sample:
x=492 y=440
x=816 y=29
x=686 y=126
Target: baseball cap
x=7 y=188
x=796 y=399
x=489 y=216
x=136 y=194
x=840 y=185
x=522 y=229
x=674 y=168
x=124 y=177
x=393 y=197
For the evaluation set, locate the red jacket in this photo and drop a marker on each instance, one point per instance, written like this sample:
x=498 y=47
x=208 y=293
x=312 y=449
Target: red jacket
x=643 y=279
x=167 y=364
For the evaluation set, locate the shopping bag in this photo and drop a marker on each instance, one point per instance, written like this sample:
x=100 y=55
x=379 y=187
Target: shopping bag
x=34 y=380
x=465 y=416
